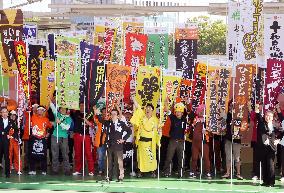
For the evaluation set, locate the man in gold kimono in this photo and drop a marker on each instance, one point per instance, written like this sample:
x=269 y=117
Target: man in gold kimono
x=147 y=137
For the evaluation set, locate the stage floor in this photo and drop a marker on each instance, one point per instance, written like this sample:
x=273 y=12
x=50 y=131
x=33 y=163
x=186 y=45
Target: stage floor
x=144 y=185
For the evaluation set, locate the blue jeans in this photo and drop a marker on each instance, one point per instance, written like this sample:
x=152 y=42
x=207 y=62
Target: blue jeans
x=101 y=159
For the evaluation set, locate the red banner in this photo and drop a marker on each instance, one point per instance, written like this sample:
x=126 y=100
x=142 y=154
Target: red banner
x=199 y=85
x=135 y=56
x=21 y=59
x=274 y=82
x=243 y=88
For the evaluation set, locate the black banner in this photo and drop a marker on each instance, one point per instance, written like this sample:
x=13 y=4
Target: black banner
x=36 y=54
x=87 y=54
x=186 y=55
x=95 y=79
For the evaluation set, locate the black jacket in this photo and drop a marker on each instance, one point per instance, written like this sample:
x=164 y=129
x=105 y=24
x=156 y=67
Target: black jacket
x=263 y=134
x=113 y=134
x=5 y=131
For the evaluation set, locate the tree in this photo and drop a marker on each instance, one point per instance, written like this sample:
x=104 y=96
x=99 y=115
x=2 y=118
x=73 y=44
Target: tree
x=212 y=36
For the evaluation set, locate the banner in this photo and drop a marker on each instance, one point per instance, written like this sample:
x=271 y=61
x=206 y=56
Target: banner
x=136 y=47
x=170 y=85
x=29 y=32
x=117 y=77
x=218 y=84
x=21 y=60
x=199 y=85
x=87 y=54
x=233 y=32
x=4 y=85
x=242 y=92
x=148 y=86
x=184 y=93
x=108 y=47
x=158 y=50
x=274 y=82
x=188 y=31
x=11 y=29
x=68 y=71
x=251 y=13
x=47 y=85
x=51 y=46
x=186 y=55
x=274 y=35
x=37 y=53
x=21 y=100
x=96 y=72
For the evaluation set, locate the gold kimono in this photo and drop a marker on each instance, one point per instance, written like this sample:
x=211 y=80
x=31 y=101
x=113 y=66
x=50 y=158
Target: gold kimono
x=146 y=149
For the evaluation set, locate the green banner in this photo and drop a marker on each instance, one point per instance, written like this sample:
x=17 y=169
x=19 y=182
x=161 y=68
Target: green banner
x=4 y=85
x=68 y=71
x=158 y=49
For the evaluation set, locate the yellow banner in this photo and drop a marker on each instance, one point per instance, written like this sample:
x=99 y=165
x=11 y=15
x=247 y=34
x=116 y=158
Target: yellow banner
x=148 y=86
x=47 y=82
x=171 y=82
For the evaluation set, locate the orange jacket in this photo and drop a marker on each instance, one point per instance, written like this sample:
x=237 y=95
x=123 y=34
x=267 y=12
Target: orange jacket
x=97 y=140
x=167 y=128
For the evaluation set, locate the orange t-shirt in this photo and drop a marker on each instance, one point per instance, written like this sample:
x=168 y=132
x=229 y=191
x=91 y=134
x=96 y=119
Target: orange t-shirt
x=39 y=126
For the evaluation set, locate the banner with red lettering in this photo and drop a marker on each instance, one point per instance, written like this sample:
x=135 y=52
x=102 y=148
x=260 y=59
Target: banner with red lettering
x=199 y=85
x=242 y=92
x=21 y=59
x=135 y=56
x=117 y=77
x=274 y=82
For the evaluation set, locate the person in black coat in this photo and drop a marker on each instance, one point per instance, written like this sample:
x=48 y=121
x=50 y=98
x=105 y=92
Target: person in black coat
x=114 y=130
x=5 y=124
x=268 y=143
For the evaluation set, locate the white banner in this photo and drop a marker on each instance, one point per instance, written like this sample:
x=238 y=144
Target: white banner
x=274 y=35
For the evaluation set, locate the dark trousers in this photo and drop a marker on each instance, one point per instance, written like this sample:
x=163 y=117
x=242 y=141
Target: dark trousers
x=164 y=147
x=4 y=150
x=175 y=146
x=71 y=146
x=256 y=159
x=38 y=158
x=282 y=160
x=268 y=167
x=115 y=162
x=188 y=146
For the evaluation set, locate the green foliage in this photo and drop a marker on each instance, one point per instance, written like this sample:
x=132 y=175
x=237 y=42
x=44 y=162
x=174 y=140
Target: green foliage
x=212 y=36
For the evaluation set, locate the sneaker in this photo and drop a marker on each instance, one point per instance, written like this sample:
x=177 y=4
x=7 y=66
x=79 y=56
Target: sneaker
x=226 y=176
x=254 y=178
x=239 y=177
x=91 y=174
x=43 y=173
x=153 y=175
x=167 y=175
x=282 y=180
x=208 y=176
x=77 y=173
x=19 y=173
x=133 y=174
x=32 y=173
x=192 y=175
x=119 y=180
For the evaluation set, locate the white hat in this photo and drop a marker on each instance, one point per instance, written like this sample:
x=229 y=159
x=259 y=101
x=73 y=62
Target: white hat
x=35 y=105
x=13 y=112
x=41 y=108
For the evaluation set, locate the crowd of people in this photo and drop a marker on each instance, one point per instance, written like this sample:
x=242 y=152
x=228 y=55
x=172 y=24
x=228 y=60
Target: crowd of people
x=181 y=146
